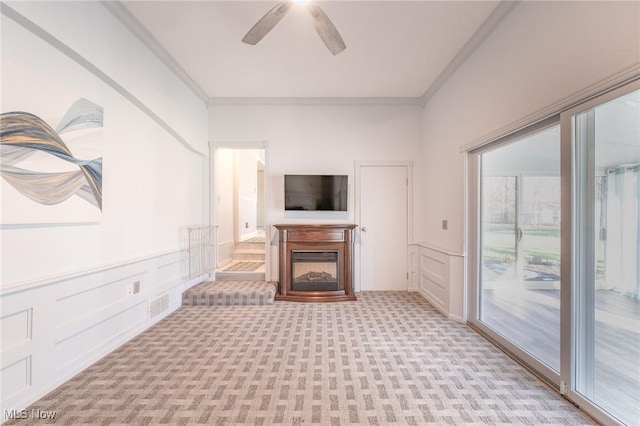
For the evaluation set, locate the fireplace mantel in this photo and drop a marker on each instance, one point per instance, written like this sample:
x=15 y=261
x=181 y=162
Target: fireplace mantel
x=320 y=239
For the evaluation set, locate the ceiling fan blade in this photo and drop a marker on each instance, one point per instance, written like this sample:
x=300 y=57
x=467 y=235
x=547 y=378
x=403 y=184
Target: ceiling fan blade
x=326 y=30
x=266 y=23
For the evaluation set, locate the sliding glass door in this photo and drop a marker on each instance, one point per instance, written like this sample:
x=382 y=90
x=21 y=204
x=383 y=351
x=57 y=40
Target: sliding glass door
x=519 y=274
x=554 y=251
x=605 y=135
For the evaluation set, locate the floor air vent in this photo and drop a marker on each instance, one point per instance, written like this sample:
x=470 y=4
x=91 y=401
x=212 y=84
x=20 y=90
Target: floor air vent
x=158 y=305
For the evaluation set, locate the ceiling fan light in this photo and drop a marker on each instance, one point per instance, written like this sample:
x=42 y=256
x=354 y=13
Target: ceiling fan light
x=323 y=25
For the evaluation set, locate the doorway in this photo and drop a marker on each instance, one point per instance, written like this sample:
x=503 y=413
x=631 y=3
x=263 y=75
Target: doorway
x=239 y=193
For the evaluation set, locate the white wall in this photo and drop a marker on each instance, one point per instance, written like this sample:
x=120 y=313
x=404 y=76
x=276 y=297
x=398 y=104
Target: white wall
x=260 y=200
x=65 y=299
x=542 y=53
x=247 y=192
x=224 y=177
x=328 y=139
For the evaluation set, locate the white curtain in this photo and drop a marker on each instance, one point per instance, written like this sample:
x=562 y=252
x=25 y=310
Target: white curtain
x=623 y=229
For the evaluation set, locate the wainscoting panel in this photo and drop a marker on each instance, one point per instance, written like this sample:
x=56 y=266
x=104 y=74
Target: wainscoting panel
x=53 y=329
x=16 y=377
x=435 y=265
x=435 y=292
x=16 y=328
x=172 y=275
x=80 y=295
x=441 y=279
x=93 y=334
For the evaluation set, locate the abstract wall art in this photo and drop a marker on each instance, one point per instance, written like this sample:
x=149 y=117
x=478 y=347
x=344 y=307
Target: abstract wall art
x=24 y=136
x=39 y=166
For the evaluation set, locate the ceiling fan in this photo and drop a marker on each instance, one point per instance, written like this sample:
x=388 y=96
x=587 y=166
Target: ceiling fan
x=323 y=25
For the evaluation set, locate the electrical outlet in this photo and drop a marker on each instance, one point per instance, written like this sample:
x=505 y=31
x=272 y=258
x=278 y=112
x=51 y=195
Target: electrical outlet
x=445 y=224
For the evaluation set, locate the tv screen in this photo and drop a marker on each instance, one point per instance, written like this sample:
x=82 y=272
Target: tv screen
x=315 y=192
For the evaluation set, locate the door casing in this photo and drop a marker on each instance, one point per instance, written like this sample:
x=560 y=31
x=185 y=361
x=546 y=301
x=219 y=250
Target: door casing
x=359 y=166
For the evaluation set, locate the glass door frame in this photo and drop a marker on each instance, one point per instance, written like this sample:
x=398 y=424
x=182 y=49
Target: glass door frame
x=474 y=227
x=575 y=168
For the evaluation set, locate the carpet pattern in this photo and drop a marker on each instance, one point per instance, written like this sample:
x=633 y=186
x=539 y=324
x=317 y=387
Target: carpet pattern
x=244 y=266
x=217 y=293
x=388 y=359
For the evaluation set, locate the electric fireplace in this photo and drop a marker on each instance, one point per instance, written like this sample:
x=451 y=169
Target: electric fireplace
x=316 y=263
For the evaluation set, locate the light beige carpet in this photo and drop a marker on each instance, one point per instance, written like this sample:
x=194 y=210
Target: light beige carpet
x=244 y=266
x=388 y=359
x=214 y=293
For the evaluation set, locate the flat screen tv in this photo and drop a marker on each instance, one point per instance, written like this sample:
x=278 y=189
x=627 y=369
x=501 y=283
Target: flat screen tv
x=315 y=192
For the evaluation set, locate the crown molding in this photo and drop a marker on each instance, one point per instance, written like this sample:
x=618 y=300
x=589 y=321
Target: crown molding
x=127 y=18
x=482 y=33
x=412 y=101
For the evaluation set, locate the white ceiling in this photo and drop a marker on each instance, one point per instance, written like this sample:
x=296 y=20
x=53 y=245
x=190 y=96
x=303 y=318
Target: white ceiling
x=394 y=48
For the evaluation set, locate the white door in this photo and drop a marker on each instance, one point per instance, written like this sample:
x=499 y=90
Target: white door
x=383 y=228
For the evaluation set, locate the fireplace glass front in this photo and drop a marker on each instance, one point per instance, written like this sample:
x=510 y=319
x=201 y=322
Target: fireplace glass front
x=314 y=270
